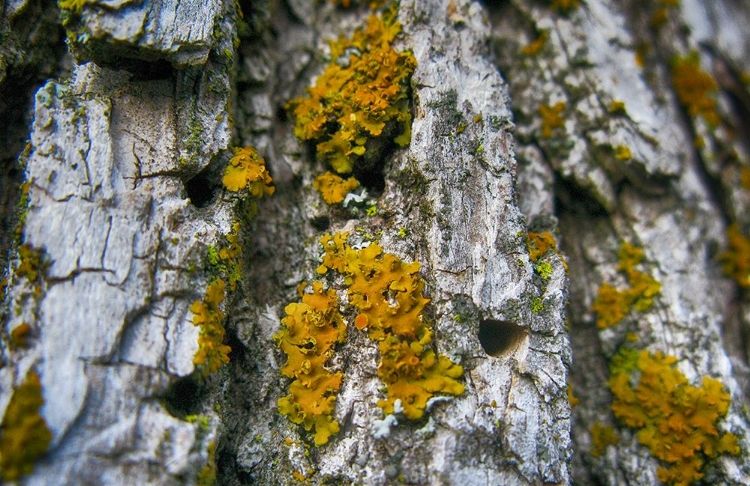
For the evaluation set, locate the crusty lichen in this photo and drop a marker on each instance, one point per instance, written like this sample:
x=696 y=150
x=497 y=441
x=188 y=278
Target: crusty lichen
x=207 y=314
x=332 y=188
x=24 y=435
x=676 y=421
x=388 y=295
x=309 y=333
x=696 y=89
x=362 y=98
x=612 y=304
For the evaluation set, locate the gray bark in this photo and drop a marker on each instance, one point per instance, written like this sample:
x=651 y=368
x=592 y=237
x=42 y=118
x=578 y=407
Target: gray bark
x=125 y=202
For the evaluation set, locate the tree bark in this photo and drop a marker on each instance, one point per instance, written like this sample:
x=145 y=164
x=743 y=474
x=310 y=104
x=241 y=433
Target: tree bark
x=530 y=118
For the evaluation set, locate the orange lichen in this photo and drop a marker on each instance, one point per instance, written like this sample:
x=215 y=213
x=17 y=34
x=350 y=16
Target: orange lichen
x=642 y=50
x=247 y=169
x=602 y=436
x=676 y=421
x=538 y=244
x=565 y=6
x=736 y=260
x=361 y=99
x=551 y=118
x=19 y=335
x=207 y=314
x=24 y=435
x=332 y=188
x=388 y=294
x=696 y=89
x=613 y=305
x=572 y=399
x=309 y=333
x=745 y=177
x=534 y=47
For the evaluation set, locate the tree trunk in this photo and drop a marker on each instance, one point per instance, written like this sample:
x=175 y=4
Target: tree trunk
x=617 y=131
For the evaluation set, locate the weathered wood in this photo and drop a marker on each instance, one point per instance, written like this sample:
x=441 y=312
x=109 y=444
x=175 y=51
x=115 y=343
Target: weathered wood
x=125 y=206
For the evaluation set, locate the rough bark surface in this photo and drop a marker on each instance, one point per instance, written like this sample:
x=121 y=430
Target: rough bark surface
x=124 y=205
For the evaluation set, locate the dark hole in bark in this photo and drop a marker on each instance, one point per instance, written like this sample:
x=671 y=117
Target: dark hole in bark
x=184 y=397
x=499 y=337
x=201 y=189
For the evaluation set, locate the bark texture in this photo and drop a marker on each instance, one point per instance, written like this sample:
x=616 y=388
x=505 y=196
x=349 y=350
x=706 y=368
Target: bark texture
x=528 y=117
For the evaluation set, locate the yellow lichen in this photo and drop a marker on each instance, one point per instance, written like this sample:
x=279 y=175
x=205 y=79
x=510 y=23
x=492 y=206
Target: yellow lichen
x=75 y=6
x=617 y=107
x=207 y=474
x=29 y=263
x=613 y=305
x=309 y=333
x=332 y=188
x=361 y=99
x=228 y=260
x=622 y=152
x=24 y=435
x=534 y=47
x=676 y=421
x=736 y=260
x=388 y=294
x=247 y=169
x=695 y=88
x=207 y=314
x=601 y=437
x=551 y=118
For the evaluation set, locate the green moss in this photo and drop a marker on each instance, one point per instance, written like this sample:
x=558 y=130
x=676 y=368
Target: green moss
x=24 y=435
x=537 y=305
x=544 y=270
x=602 y=436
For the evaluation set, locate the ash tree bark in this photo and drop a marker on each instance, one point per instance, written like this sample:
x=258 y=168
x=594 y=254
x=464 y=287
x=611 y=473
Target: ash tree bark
x=573 y=190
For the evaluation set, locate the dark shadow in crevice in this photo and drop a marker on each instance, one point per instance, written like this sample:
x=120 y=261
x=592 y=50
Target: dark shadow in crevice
x=185 y=397
x=204 y=187
x=571 y=198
